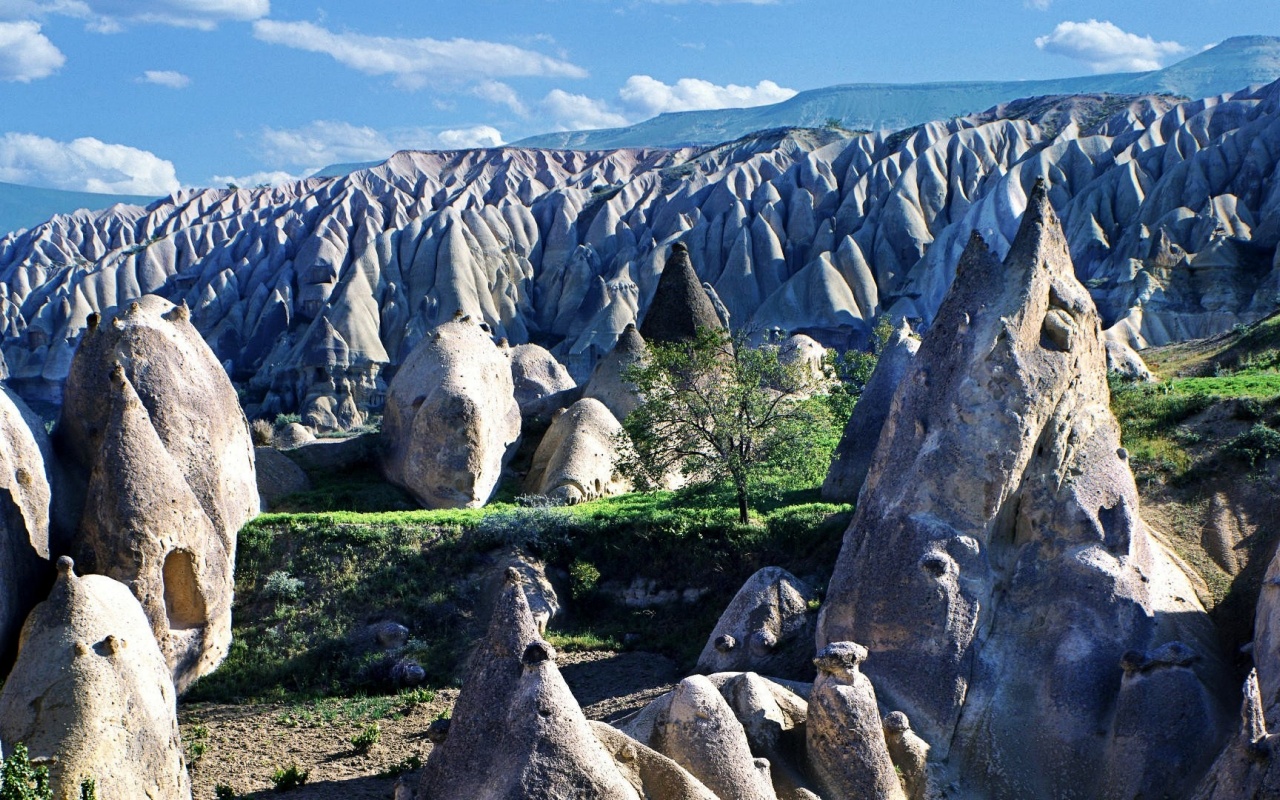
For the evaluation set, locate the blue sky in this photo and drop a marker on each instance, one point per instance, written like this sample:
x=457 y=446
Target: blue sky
x=141 y=96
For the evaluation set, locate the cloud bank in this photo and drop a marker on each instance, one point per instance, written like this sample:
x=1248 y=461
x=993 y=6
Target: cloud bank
x=1106 y=48
x=84 y=165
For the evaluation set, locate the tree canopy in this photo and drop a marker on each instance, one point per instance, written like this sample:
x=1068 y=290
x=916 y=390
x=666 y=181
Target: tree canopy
x=715 y=409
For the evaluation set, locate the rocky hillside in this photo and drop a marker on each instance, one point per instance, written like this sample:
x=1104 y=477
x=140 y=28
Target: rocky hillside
x=311 y=294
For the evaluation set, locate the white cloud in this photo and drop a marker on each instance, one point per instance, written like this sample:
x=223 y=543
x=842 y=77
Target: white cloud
x=1107 y=48
x=416 y=62
x=1039 y=5
x=571 y=112
x=166 y=77
x=478 y=136
x=268 y=178
x=109 y=16
x=648 y=96
x=502 y=94
x=86 y=165
x=323 y=142
x=26 y=54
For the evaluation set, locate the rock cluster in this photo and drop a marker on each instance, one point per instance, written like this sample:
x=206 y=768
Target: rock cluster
x=153 y=427
x=451 y=421
x=998 y=568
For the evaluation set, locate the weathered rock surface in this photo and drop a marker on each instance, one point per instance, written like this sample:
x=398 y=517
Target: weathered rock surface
x=852 y=458
x=909 y=753
x=998 y=568
x=680 y=305
x=577 y=459
x=1249 y=766
x=541 y=383
x=1166 y=208
x=154 y=426
x=293 y=434
x=766 y=628
x=1124 y=361
x=26 y=569
x=847 y=751
x=539 y=594
x=91 y=694
x=650 y=773
x=451 y=421
x=607 y=383
x=518 y=732
x=278 y=477
x=701 y=734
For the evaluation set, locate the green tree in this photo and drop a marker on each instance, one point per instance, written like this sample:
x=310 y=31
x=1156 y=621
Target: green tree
x=717 y=410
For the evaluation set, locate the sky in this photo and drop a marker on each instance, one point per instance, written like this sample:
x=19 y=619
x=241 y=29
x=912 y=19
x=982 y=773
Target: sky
x=147 y=96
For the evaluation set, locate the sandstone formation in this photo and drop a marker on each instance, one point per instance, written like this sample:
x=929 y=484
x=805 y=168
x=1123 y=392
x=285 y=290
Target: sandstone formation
x=577 y=459
x=278 y=477
x=817 y=232
x=291 y=435
x=25 y=547
x=451 y=421
x=805 y=352
x=542 y=385
x=909 y=753
x=153 y=424
x=91 y=695
x=700 y=733
x=1124 y=361
x=607 y=383
x=766 y=628
x=847 y=750
x=852 y=458
x=517 y=731
x=680 y=305
x=997 y=567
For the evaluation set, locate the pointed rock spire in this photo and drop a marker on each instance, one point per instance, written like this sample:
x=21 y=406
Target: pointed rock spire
x=680 y=305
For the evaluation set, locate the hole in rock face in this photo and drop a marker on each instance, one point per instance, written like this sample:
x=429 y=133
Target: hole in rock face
x=183 y=603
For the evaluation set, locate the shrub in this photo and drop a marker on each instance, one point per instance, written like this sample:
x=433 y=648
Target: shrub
x=281 y=585
x=88 y=789
x=285 y=419
x=291 y=778
x=224 y=792
x=262 y=432
x=1255 y=445
x=368 y=736
x=410 y=764
x=583 y=578
x=20 y=781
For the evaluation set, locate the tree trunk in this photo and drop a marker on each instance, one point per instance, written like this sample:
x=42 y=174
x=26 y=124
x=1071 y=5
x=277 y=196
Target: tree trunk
x=742 y=505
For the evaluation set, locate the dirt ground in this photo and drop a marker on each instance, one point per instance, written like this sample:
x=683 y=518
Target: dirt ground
x=241 y=746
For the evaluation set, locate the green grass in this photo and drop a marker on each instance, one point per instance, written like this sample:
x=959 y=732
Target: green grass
x=421 y=569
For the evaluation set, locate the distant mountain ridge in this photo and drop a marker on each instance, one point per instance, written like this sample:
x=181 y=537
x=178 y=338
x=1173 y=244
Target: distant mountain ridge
x=1227 y=67
x=28 y=206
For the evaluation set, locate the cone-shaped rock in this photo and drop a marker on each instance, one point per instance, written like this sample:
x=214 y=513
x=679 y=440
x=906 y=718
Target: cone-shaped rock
x=766 y=628
x=607 y=384
x=26 y=571
x=700 y=733
x=451 y=421
x=997 y=567
x=846 y=744
x=680 y=305
x=90 y=693
x=191 y=402
x=516 y=730
x=1249 y=766
x=144 y=527
x=650 y=772
x=577 y=459
x=155 y=425
x=852 y=458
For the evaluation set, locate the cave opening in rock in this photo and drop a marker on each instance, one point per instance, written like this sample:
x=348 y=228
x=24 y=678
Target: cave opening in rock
x=183 y=603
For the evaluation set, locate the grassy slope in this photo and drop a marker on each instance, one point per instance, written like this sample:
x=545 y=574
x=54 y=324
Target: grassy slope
x=1203 y=442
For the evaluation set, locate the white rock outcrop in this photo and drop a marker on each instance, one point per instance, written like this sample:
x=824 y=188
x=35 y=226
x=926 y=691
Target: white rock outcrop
x=451 y=421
